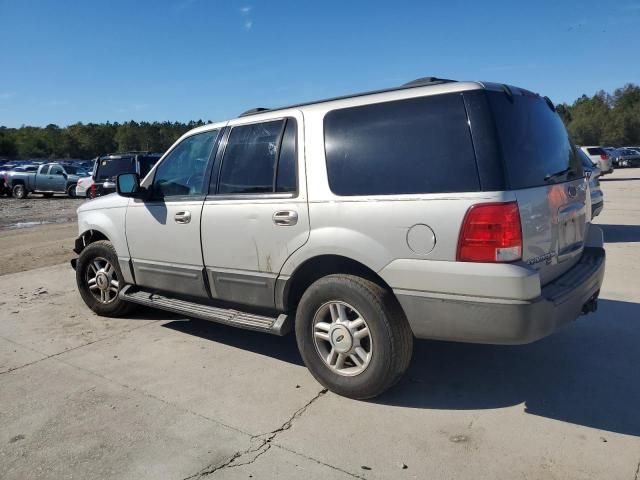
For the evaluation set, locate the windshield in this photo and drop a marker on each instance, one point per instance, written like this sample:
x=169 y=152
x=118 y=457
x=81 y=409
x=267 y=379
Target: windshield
x=110 y=168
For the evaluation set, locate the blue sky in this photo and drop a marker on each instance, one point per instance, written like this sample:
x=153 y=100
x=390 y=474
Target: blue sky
x=96 y=61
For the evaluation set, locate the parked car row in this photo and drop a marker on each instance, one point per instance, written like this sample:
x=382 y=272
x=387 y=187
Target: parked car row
x=19 y=179
x=626 y=157
x=46 y=179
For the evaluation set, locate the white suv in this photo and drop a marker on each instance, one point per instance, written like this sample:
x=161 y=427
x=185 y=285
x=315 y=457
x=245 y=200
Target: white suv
x=440 y=209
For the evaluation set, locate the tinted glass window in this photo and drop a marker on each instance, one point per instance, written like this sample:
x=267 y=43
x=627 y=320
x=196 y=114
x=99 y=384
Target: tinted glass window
x=109 y=168
x=146 y=164
x=534 y=141
x=181 y=173
x=420 y=145
x=249 y=160
x=56 y=170
x=594 y=151
x=45 y=170
x=286 y=176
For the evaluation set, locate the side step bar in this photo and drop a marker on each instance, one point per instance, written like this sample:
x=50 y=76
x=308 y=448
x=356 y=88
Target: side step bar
x=279 y=325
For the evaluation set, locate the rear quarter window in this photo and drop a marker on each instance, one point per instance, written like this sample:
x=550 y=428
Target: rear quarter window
x=419 y=145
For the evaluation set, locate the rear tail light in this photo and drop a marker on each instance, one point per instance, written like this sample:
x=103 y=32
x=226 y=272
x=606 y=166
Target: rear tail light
x=92 y=190
x=491 y=232
x=604 y=156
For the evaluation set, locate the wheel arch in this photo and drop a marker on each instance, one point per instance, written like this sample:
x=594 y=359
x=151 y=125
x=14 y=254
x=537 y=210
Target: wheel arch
x=290 y=290
x=88 y=237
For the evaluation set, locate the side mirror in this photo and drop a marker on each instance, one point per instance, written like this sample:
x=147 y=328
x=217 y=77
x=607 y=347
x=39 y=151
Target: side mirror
x=128 y=185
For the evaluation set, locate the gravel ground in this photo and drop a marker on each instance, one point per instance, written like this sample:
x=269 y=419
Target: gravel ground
x=37 y=210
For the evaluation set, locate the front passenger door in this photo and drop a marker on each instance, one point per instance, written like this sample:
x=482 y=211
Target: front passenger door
x=163 y=230
x=57 y=179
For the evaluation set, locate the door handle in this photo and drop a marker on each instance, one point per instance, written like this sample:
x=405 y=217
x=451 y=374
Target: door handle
x=182 y=217
x=285 y=218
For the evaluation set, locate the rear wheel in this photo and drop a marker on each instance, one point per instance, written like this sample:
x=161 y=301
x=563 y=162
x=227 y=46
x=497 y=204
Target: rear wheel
x=19 y=191
x=353 y=336
x=71 y=191
x=100 y=280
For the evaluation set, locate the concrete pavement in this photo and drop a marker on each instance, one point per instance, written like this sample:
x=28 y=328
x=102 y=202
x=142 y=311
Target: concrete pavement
x=160 y=397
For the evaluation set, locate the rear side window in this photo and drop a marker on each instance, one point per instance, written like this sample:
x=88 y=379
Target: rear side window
x=260 y=158
x=286 y=174
x=44 y=170
x=535 y=145
x=595 y=151
x=420 y=145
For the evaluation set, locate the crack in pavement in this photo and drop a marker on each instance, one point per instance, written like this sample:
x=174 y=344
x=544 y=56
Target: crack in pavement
x=53 y=355
x=637 y=477
x=264 y=443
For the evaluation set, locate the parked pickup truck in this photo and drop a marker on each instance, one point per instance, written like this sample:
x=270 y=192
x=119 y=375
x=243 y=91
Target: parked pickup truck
x=49 y=179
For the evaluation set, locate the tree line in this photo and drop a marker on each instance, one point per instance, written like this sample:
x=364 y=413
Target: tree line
x=603 y=119
x=85 y=141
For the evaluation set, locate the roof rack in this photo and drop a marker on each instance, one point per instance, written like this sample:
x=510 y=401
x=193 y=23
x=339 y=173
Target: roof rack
x=420 y=82
x=424 y=81
x=253 y=111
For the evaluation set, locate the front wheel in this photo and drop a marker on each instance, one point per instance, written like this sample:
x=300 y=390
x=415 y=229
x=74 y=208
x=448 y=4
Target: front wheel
x=353 y=336
x=100 y=280
x=19 y=191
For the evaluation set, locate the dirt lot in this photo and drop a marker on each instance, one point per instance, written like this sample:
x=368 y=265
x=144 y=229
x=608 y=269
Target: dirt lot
x=36 y=209
x=36 y=232
x=161 y=397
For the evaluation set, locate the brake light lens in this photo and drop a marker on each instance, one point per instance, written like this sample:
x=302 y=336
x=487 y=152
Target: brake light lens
x=604 y=156
x=491 y=232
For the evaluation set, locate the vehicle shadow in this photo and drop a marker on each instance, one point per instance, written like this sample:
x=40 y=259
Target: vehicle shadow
x=586 y=374
x=620 y=233
x=281 y=348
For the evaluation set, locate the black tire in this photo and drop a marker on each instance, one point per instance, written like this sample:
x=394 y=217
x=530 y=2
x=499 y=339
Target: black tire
x=391 y=336
x=100 y=250
x=19 y=191
x=71 y=191
x=47 y=195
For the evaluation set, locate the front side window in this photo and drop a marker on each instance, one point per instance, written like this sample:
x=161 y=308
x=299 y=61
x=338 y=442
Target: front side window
x=181 y=173
x=56 y=170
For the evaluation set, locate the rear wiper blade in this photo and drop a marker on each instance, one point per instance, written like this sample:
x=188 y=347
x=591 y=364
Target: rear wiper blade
x=551 y=176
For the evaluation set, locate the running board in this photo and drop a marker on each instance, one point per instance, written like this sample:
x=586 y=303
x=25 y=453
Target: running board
x=279 y=325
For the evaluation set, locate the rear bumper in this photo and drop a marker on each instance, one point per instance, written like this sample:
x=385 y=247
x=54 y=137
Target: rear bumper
x=503 y=321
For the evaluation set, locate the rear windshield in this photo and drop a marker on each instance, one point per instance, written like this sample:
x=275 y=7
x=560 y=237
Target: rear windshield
x=595 y=151
x=110 y=168
x=419 y=145
x=535 y=144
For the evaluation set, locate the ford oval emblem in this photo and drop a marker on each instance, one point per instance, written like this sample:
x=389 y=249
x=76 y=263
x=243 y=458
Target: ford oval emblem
x=572 y=191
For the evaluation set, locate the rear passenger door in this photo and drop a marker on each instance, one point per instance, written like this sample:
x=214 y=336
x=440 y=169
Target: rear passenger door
x=256 y=214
